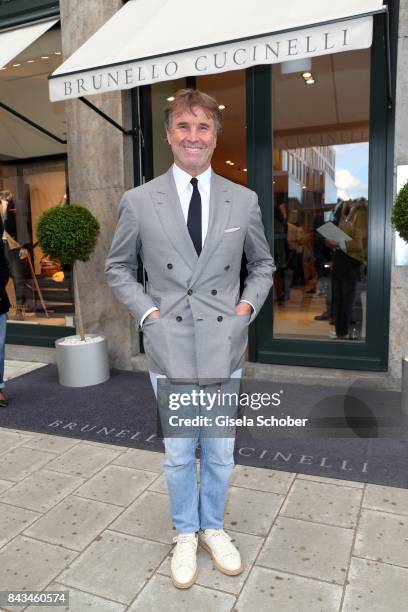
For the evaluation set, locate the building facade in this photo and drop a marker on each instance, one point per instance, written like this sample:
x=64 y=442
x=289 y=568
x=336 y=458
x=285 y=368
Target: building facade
x=320 y=139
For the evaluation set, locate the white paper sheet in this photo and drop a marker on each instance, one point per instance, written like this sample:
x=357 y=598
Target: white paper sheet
x=332 y=232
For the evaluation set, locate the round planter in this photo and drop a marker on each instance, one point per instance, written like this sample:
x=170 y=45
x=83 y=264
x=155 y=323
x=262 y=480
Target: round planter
x=84 y=364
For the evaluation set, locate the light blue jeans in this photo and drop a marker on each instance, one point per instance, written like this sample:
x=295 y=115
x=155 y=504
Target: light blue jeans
x=3 y=326
x=192 y=509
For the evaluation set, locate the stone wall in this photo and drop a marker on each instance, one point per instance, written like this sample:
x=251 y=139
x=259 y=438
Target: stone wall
x=100 y=170
x=399 y=276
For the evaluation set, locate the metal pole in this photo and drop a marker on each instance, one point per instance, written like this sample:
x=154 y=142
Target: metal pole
x=404 y=385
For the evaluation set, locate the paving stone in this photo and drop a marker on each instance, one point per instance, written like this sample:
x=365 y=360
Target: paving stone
x=270 y=590
x=29 y=564
x=389 y=499
x=19 y=462
x=248 y=546
x=41 y=490
x=117 y=447
x=261 y=479
x=321 y=502
x=251 y=511
x=14 y=368
x=11 y=439
x=79 y=601
x=74 y=522
x=115 y=566
x=149 y=516
x=13 y=520
x=383 y=537
x=83 y=460
x=141 y=460
x=117 y=485
x=5 y=484
x=343 y=483
x=160 y=593
x=50 y=443
x=159 y=485
x=308 y=549
x=375 y=587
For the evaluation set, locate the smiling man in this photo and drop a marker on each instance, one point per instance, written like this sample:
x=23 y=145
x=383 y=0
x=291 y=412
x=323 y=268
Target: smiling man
x=190 y=227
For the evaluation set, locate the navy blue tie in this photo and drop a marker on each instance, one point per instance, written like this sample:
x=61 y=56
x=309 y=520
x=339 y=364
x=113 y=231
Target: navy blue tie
x=194 y=217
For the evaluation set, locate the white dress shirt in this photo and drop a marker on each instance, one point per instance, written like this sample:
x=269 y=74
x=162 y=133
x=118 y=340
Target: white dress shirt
x=185 y=191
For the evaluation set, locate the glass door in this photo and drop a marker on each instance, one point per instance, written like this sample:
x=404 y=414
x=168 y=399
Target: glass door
x=318 y=159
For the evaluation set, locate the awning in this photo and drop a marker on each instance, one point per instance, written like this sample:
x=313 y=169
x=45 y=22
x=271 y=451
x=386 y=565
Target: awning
x=13 y=42
x=148 y=41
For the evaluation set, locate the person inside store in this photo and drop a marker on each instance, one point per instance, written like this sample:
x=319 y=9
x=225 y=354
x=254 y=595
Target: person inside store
x=348 y=259
x=191 y=227
x=4 y=307
x=280 y=253
x=296 y=242
x=14 y=251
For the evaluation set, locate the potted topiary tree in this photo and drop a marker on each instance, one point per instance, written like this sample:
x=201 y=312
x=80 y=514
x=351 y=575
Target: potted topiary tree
x=399 y=219
x=400 y=212
x=69 y=233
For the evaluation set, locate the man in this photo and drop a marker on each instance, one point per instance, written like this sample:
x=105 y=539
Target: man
x=190 y=227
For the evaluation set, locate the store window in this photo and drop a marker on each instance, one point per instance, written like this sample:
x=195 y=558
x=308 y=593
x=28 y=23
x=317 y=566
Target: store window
x=33 y=177
x=321 y=207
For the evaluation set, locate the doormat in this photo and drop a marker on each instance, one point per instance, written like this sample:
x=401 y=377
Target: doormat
x=352 y=433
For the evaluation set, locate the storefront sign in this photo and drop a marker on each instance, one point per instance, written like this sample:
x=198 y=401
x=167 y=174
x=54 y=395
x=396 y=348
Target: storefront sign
x=305 y=43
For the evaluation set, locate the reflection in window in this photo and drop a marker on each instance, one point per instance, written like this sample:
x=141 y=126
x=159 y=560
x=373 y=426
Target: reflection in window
x=320 y=176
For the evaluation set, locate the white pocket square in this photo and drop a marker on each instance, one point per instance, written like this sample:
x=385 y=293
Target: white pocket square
x=231 y=229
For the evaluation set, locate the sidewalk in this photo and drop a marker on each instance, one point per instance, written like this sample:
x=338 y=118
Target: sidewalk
x=93 y=519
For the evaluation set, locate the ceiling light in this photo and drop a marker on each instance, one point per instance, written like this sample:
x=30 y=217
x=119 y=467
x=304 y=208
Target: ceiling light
x=4 y=68
x=221 y=106
x=310 y=81
x=30 y=61
x=45 y=57
x=170 y=99
x=15 y=65
x=307 y=75
x=57 y=52
x=228 y=161
x=245 y=169
x=232 y=164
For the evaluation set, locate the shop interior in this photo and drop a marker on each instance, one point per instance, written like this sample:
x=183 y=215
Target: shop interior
x=33 y=177
x=320 y=118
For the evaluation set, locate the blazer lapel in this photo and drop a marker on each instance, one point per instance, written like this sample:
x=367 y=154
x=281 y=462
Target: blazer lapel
x=220 y=209
x=171 y=216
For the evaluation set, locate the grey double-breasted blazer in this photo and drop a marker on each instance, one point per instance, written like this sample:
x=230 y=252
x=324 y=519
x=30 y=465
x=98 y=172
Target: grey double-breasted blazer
x=198 y=336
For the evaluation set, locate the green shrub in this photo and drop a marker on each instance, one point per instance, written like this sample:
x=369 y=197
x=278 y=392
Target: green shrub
x=68 y=233
x=400 y=212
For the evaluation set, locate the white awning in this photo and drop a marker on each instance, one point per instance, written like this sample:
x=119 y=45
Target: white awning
x=13 y=42
x=148 y=41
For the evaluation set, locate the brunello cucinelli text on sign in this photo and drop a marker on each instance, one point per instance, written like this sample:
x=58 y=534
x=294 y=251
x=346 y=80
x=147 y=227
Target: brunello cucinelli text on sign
x=307 y=42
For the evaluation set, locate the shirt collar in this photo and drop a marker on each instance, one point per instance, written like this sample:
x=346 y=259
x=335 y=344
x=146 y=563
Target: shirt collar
x=183 y=178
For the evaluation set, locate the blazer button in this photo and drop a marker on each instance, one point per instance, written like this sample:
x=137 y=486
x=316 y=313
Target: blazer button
x=190 y=292
x=227 y=267
x=178 y=318
x=219 y=319
x=213 y=292
x=169 y=265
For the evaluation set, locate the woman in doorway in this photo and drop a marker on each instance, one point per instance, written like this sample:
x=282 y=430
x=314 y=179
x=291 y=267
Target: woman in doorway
x=4 y=307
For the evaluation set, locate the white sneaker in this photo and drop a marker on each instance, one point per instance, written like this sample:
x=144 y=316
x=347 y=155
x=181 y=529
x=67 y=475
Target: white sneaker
x=225 y=556
x=184 y=563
